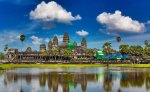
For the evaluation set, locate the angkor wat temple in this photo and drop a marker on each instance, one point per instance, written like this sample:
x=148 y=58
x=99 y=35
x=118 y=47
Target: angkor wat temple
x=46 y=52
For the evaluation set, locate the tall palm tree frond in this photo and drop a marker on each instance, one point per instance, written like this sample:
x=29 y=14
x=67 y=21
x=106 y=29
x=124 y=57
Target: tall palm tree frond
x=118 y=39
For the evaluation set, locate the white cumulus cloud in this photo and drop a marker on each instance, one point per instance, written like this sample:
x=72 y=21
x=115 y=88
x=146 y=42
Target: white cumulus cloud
x=82 y=33
x=52 y=11
x=47 y=40
x=36 y=40
x=118 y=23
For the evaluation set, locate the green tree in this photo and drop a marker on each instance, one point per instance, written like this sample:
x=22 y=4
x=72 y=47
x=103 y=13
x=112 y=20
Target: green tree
x=55 y=52
x=67 y=53
x=146 y=51
x=107 y=48
x=124 y=48
x=70 y=45
x=5 y=47
x=2 y=56
x=46 y=53
x=136 y=50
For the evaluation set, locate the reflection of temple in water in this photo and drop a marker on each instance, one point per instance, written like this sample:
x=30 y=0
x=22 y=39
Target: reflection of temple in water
x=53 y=79
x=68 y=81
x=127 y=79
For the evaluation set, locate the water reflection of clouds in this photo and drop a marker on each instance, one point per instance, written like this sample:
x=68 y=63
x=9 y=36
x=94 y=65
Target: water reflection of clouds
x=46 y=70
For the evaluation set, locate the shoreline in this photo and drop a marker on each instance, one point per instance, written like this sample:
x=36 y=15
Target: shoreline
x=11 y=66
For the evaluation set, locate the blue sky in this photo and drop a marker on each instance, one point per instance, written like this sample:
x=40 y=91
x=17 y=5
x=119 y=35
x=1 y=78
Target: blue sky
x=98 y=21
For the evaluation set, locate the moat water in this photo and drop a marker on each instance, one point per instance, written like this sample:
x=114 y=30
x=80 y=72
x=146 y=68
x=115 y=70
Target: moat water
x=94 y=79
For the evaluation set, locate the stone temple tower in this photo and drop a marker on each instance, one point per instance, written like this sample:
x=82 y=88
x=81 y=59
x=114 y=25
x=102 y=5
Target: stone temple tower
x=50 y=45
x=83 y=43
x=75 y=44
x=55 y=42
x=42 y=47
x=66 y=39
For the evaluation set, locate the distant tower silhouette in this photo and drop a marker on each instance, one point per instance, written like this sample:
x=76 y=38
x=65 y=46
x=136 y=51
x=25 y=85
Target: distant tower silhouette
x=75 y=43
x=29 y=49
x=83 y=43
x=50 y=45
x=55 y=42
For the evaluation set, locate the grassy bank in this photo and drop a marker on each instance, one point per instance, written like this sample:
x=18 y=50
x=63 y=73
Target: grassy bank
x=131 y=65
x=10 y=66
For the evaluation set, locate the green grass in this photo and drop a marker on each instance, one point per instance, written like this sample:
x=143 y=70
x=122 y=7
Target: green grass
x=10 y=66
x=131 y=65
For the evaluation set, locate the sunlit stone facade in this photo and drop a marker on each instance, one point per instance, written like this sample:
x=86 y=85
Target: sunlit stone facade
x=42 y=47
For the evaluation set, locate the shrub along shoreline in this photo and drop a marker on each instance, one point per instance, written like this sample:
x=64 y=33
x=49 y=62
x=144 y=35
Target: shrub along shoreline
x=11 y=66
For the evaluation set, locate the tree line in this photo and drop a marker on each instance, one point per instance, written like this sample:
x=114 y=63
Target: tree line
x=134 y=50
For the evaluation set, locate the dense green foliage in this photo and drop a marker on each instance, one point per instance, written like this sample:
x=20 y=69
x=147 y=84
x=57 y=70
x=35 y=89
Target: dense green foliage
x=107 y=48
x=67 y=52
x=2 y=55
x=70 y=45
x=132 y=50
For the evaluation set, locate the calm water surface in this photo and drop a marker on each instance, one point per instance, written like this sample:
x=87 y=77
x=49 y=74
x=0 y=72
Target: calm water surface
x=99 y=79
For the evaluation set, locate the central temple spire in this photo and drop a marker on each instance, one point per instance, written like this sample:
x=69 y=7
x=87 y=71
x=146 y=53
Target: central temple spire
x=66 y=39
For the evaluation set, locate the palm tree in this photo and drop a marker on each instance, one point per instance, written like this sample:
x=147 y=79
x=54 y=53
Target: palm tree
x=147 y=48
x=146 y=43
x=107 y=48
x=118 y=39
x=22 y=38
x=5 y=47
